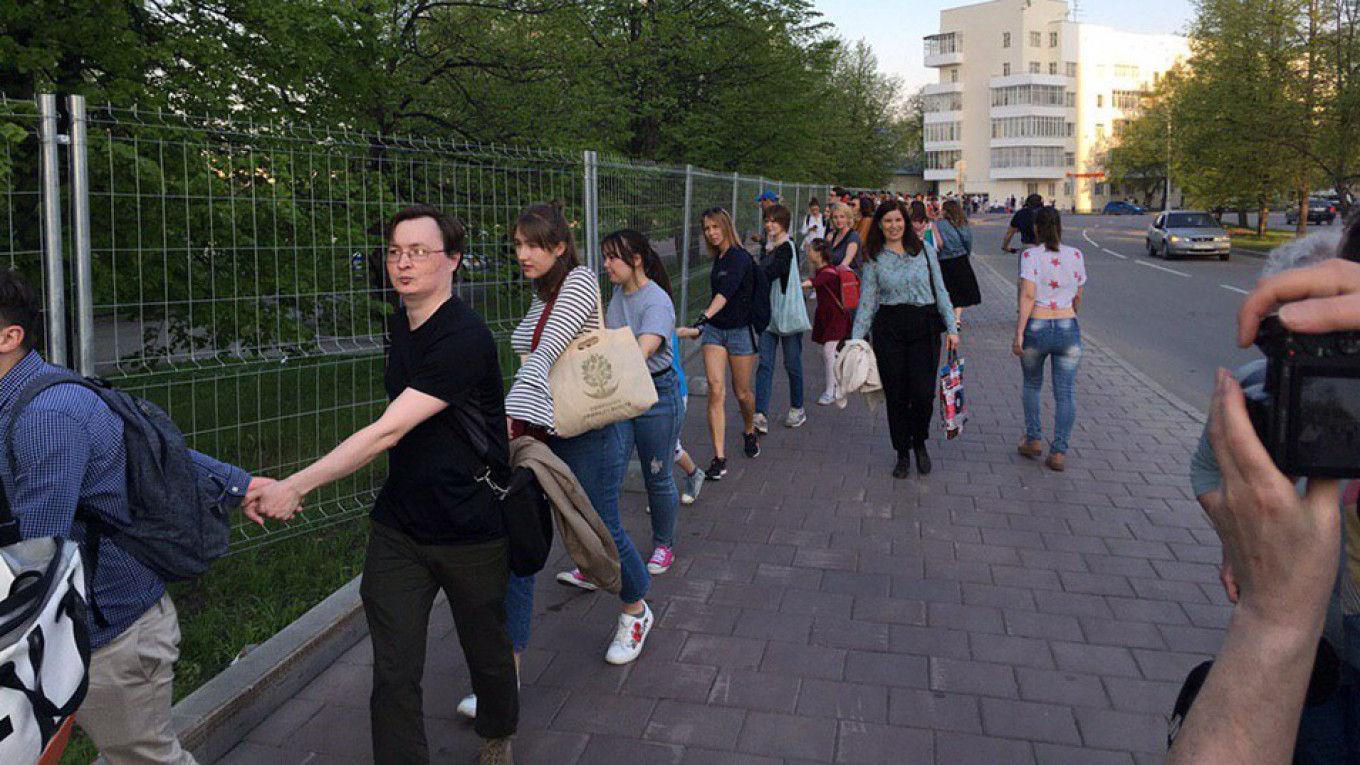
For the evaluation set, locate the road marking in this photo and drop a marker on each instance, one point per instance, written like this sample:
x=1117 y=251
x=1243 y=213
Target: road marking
x=1117 y=255
x=1163 y=268
x=1086 y=234
x=1231 y=288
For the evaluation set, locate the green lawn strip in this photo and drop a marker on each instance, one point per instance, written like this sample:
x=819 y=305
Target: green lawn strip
x=1247 y=238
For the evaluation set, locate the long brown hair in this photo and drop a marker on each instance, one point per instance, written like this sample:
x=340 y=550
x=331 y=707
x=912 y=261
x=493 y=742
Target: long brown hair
x=543 y=225
x=1048 y=228
x=632 y=247
x=953 y=212
x=874 y=243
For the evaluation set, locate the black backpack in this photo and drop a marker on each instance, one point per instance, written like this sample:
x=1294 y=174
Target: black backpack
x=760 y=297
x=178 y=527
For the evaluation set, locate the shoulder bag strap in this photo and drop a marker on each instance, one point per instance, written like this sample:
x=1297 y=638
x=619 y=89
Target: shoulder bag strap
x=542 y=322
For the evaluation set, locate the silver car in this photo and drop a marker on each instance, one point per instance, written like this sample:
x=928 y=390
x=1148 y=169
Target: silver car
x=1178 y=233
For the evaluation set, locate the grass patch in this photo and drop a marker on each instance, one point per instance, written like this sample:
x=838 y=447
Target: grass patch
x=1247 y=238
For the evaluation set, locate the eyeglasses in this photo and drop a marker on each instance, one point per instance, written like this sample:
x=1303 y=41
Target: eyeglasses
x=416 y=254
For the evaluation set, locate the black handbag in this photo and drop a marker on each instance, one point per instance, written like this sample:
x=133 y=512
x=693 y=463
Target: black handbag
x=526 y=511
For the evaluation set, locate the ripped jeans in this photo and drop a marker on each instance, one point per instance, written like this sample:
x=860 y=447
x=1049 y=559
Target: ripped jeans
x=1059 y=339
x=655 y=433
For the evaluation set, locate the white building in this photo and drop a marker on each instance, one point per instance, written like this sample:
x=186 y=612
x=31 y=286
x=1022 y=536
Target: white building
x=1030 y=102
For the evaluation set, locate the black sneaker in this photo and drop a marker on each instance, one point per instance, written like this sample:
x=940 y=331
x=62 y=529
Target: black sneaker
x=752 y=445
x=903 y=467
x=716 y=469
x=922 y=460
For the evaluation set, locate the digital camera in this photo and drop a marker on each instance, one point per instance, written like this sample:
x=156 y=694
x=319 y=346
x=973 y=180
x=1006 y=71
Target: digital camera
x=1307 y=413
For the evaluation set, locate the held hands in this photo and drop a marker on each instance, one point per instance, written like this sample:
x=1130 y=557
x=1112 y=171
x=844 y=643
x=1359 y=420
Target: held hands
x=270 y=499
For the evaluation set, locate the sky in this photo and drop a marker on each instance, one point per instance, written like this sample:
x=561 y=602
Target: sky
x=895 y=27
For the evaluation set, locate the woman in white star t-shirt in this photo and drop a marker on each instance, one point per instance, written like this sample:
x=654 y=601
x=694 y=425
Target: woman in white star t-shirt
x=1052 y=278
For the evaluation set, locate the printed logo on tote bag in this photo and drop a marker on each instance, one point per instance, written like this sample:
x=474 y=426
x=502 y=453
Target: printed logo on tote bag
x=598 y=375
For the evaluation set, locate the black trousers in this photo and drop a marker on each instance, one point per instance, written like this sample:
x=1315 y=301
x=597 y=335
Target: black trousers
x=401 y=579
x=906 y=344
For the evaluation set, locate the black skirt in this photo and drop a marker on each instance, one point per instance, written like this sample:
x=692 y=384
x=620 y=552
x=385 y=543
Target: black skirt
x=961 y=282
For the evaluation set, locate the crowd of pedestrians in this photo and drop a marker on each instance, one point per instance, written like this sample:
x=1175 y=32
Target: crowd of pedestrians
x=891 y=279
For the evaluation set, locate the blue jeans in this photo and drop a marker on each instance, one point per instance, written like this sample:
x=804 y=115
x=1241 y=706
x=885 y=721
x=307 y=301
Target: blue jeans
x=1059 y=339
x=1330 y=732
x=793 y=364
x=598 y=460
x=655 y=435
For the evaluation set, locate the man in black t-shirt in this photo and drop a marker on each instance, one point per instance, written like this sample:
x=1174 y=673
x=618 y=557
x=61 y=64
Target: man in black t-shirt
x=1022 y=223
x=435 y=526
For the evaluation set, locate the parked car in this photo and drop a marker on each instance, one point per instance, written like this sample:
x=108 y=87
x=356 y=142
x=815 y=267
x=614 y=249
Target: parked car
x=1320 y=210
x=1122 y=208
x=1180 y=233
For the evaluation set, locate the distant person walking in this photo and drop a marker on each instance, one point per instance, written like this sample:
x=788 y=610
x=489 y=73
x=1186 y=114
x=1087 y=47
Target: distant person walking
x=831 y=323
x=1022 y=223
x=956 y=249
x=1052 y=279
x=904 y=301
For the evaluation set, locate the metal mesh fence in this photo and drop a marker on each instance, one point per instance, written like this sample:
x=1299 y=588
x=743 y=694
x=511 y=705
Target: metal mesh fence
x=238 y=276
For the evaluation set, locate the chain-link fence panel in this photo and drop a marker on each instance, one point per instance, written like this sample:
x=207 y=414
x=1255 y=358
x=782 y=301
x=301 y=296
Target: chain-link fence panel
x=21 y=204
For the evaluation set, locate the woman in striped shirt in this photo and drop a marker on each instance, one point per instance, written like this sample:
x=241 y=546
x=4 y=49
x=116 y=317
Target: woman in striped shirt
x=566 y=304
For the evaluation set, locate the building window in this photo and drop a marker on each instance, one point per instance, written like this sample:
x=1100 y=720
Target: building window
x=1026 y=156
x=1034 y=67
x=1053 y=67
x=1126 y=99
x=1067 y=133
x=1126 y=71
x=1032 y=188
x=1071 y=68
x=942 y=160
x=1029 y=95
x=1071 y=99
x=1119 y=127
x=1100 y=189
x=1027 y=127
x=938 y=45
x=1069 y=160
x=1052 y=39
x=1100 y=131
x=935 y=132
x=1036 y=39
x=1006 y=69
x=1067 y=188
x=1005 y=39
x=1100 y=100
x=942 y=102
x=954 y=74
x=1052 y=189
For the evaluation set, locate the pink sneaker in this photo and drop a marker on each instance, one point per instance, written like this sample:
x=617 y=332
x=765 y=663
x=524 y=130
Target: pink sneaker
x=661 y=561
x=574 y=578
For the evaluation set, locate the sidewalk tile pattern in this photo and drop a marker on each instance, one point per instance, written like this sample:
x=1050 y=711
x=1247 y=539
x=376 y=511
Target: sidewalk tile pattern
x=821 y=611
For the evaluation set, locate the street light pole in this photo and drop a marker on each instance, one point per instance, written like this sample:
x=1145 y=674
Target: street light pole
x=1166 y=199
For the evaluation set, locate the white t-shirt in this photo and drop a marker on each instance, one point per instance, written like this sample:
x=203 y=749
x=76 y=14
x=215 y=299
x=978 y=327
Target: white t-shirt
x=1056 y=275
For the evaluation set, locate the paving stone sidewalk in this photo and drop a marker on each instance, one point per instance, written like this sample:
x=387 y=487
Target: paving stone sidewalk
x=820 y=611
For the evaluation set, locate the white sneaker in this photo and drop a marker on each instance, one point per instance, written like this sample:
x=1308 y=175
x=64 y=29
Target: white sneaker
x=693 y=484
x=628 y=638
x=762 y=424
x=826 y=399
x=468 y=706
x=795 y=419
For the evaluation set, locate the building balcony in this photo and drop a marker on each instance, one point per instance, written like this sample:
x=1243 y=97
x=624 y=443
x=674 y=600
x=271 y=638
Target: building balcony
x=954 y=145
x=941 y=175
x=997 y=143
x=931 y=118
x=1025 y=173
x=933 y=88
x=1006 y=81
x=944 y=49
x=1033 y=110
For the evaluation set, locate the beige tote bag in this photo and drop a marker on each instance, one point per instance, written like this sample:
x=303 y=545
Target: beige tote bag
x=600 y=379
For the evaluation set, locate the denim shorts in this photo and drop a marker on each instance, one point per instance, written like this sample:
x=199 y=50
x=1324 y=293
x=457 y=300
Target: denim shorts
x=740 y=341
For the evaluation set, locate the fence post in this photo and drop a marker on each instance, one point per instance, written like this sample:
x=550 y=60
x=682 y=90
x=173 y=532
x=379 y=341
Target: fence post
x=592 y=212
x=683 y=313
x=53 y=278
x=736 y=182
x=80 y=216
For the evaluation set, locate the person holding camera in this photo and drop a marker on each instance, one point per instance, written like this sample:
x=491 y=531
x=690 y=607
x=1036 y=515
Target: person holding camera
x=1281 y=550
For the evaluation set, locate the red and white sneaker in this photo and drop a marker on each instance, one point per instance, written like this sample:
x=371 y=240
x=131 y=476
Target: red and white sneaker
x=574 y=578
x=629 y=637
x=661 y=560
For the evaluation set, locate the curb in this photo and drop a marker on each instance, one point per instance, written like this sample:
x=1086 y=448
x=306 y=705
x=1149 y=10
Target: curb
x=220 y=714
x=1186 y=408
